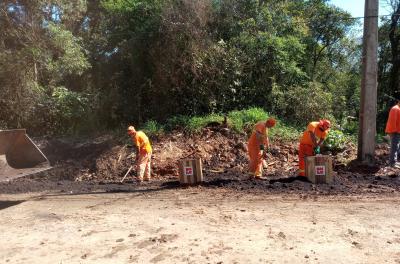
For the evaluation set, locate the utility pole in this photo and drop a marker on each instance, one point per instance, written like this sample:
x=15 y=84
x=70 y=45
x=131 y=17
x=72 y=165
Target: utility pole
x=369 y=83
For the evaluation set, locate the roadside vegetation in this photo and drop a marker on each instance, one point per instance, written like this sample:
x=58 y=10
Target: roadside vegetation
x=242 y=122
x=76 y=67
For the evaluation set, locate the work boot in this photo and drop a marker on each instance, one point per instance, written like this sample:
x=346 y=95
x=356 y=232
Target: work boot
x=146 y=179
x=250 y=175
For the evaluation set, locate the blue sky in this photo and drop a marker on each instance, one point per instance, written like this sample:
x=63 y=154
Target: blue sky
x=356 y=7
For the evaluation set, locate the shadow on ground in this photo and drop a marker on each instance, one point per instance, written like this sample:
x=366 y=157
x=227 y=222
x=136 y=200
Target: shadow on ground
x=6 y=204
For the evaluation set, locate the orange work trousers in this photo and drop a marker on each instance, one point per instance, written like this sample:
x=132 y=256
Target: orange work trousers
x=143 y=168
x=256 y=161
x=305 y=150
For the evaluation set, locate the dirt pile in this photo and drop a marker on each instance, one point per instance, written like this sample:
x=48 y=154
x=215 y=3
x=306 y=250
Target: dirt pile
x=99 y=164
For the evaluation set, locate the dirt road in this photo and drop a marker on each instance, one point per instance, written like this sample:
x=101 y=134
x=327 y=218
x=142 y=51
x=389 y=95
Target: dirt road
x=198 y=225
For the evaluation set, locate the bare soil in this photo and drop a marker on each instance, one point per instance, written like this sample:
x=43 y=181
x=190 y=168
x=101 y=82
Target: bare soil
x=79 y=212
x=91 y=165
x=198 y=225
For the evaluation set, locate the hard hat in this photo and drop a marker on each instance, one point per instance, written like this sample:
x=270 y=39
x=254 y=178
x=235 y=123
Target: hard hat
x=324 y=124
x=271 y=122
x=131 y=130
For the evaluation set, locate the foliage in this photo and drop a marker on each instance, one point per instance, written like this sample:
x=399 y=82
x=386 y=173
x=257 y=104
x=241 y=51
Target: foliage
x=70 y=107
x=239 y=121
x=153 y=128
x=176 y=62
x=245 y=119
x=176 y=122
x=350 y=126
x=71 y=57
x=302 y=104
x=388 y=63
x=285 y=131
x=195 y=124
x=40 y=58
x=336 y=140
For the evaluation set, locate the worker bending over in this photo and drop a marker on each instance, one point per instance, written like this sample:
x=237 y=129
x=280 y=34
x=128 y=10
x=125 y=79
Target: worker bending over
x=257 y=147
x=311 y=141
x=143 y=153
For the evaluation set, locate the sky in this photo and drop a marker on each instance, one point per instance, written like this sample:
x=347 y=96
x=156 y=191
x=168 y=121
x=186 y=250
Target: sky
x=356 y=7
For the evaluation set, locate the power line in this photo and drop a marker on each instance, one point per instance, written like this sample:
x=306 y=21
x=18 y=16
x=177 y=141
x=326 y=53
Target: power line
x=378 y=16
x=293 y=23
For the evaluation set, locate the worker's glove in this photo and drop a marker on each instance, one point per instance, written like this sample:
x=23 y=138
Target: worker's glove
x=317 y=150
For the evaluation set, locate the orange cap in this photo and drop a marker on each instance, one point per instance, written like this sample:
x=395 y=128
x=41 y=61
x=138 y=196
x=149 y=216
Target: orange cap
x=131 y=130
x=325 y=124
x=271 y=122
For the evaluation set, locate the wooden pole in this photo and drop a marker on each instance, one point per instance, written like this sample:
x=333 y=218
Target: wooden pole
x=369 y=83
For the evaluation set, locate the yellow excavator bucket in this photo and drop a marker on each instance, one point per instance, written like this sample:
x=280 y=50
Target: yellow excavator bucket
x=19 y=156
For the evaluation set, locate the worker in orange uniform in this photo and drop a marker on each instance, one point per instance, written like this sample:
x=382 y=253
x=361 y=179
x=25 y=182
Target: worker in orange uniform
x=257 y=146
x=393 y=129
x=311 y=141
x=143 y=153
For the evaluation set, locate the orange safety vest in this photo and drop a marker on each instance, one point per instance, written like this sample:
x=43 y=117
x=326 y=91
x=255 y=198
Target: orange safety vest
x=313 y=127
x=393 y=122
x=142 y=142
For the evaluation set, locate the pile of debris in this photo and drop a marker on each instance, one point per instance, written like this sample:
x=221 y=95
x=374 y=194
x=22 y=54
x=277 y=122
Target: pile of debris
x=104 y=161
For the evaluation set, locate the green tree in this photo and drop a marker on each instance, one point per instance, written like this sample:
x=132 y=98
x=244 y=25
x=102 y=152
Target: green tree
x=37 y=55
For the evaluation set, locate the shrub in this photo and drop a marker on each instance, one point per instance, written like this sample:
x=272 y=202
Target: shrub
x=176 y=122
x=283 y=131
x=336 y=140
x=195 y=124
x=243 y=119
x=303 y=104
x=153 y=128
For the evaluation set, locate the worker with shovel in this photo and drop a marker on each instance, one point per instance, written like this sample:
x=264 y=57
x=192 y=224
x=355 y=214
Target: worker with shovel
x=257 y=147
x=143 y=153
x=311 y=141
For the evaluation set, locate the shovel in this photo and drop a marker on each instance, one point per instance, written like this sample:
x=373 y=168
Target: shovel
x=126 y=174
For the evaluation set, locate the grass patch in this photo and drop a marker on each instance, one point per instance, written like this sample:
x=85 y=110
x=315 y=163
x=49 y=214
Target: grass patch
x=153 y=128
x=243 y=119
x=239 y=121
x=283 y=131
x=195 y=124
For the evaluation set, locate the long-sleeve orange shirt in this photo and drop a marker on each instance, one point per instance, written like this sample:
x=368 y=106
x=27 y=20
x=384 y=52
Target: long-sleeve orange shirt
x=393 y=122
x=142 y=142
x=261 y=129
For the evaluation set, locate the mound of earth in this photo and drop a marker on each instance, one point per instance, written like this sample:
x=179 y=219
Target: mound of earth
x=99 y=164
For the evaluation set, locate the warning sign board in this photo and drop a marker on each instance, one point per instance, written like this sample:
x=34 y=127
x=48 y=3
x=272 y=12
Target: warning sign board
x=189 y=171
x=320 y=170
